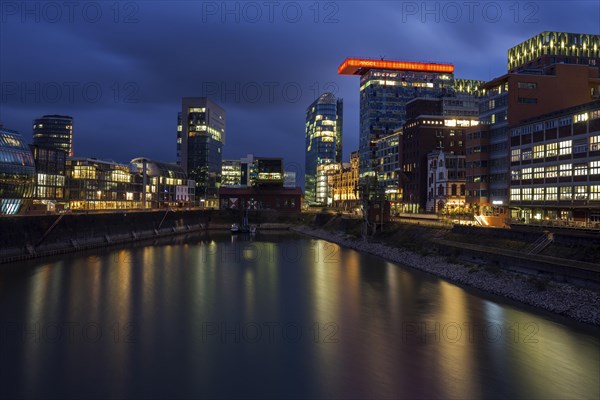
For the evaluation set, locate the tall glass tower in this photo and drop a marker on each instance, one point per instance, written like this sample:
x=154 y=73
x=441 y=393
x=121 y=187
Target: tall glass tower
x=54 y=131
x=200 y=140
x=323 y=135
x=385 y=88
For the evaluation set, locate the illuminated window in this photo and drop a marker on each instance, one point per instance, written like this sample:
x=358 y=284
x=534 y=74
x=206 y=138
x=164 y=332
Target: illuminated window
x=515 y=194
x=526 y=173
x=595 y=143
x=526 y=155
x=566 y=169
x=538 y=173
x=538 y=151
x=565 y=147
x=538 y=194
x=580 y=169
x=526 y=194
x=514 y=175
x=515 y=155
x=580 y=193
x=595 y=192
x=552 y=193
x=594 y=167
x=552 y=171
x=551 y=149
x=566 y=192
x=581 y=117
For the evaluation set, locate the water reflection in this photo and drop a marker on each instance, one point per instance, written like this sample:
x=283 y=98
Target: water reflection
x=219 y=316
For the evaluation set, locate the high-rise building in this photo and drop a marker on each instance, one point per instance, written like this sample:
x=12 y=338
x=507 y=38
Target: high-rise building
x=385 y=88
x=54 y=131
x=549 y=48
x=200 y=139
x=323 y=139
x=17 y=170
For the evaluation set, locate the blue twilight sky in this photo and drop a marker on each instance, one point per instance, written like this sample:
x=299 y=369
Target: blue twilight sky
x=120 y=68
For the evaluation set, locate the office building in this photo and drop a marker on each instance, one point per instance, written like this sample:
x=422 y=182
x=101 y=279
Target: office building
x=507 y=101
x=388 y=168
x=231 y=173
x=323 y=145
x=94 y=184
x=265 y=189
x=385 y=88
x=17 y=173
x=163 y=184
x=201 y=128
x=555 y=168
x=50 y=178
x=54 y=131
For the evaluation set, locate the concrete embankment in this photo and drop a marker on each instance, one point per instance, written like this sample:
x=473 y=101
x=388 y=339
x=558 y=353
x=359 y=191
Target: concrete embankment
x=580 y=304
x=28 y=237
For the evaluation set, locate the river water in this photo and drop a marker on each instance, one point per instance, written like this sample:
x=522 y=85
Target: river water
x=276 y=315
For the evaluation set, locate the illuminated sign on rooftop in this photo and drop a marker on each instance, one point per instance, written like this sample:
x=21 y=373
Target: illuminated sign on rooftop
x=358 y=66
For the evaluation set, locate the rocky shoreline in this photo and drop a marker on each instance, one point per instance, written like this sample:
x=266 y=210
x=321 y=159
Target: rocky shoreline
x=582 y=305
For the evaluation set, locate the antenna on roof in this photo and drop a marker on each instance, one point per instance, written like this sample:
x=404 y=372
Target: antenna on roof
x=382 y=57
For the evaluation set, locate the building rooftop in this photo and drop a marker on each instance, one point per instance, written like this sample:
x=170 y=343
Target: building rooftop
x=359 y=66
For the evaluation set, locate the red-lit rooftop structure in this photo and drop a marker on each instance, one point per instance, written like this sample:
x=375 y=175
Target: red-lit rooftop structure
x=359 y=66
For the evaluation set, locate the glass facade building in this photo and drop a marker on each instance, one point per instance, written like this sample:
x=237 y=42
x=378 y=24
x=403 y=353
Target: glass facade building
x=163 y=184
x=17 y=173
x=323 y=139
x=200 y=140
x=385 y=88
x=50 y=176
x=54 y=131
x=94 y=184
x=388 y=168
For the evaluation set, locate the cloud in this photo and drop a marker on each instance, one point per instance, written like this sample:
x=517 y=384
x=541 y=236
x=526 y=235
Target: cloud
x=264 y=70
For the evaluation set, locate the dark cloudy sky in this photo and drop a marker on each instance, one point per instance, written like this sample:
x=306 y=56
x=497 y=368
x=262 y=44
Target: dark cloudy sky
x=121 y=68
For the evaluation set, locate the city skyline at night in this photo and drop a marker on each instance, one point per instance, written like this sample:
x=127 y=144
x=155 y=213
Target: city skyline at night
x=126 y=83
